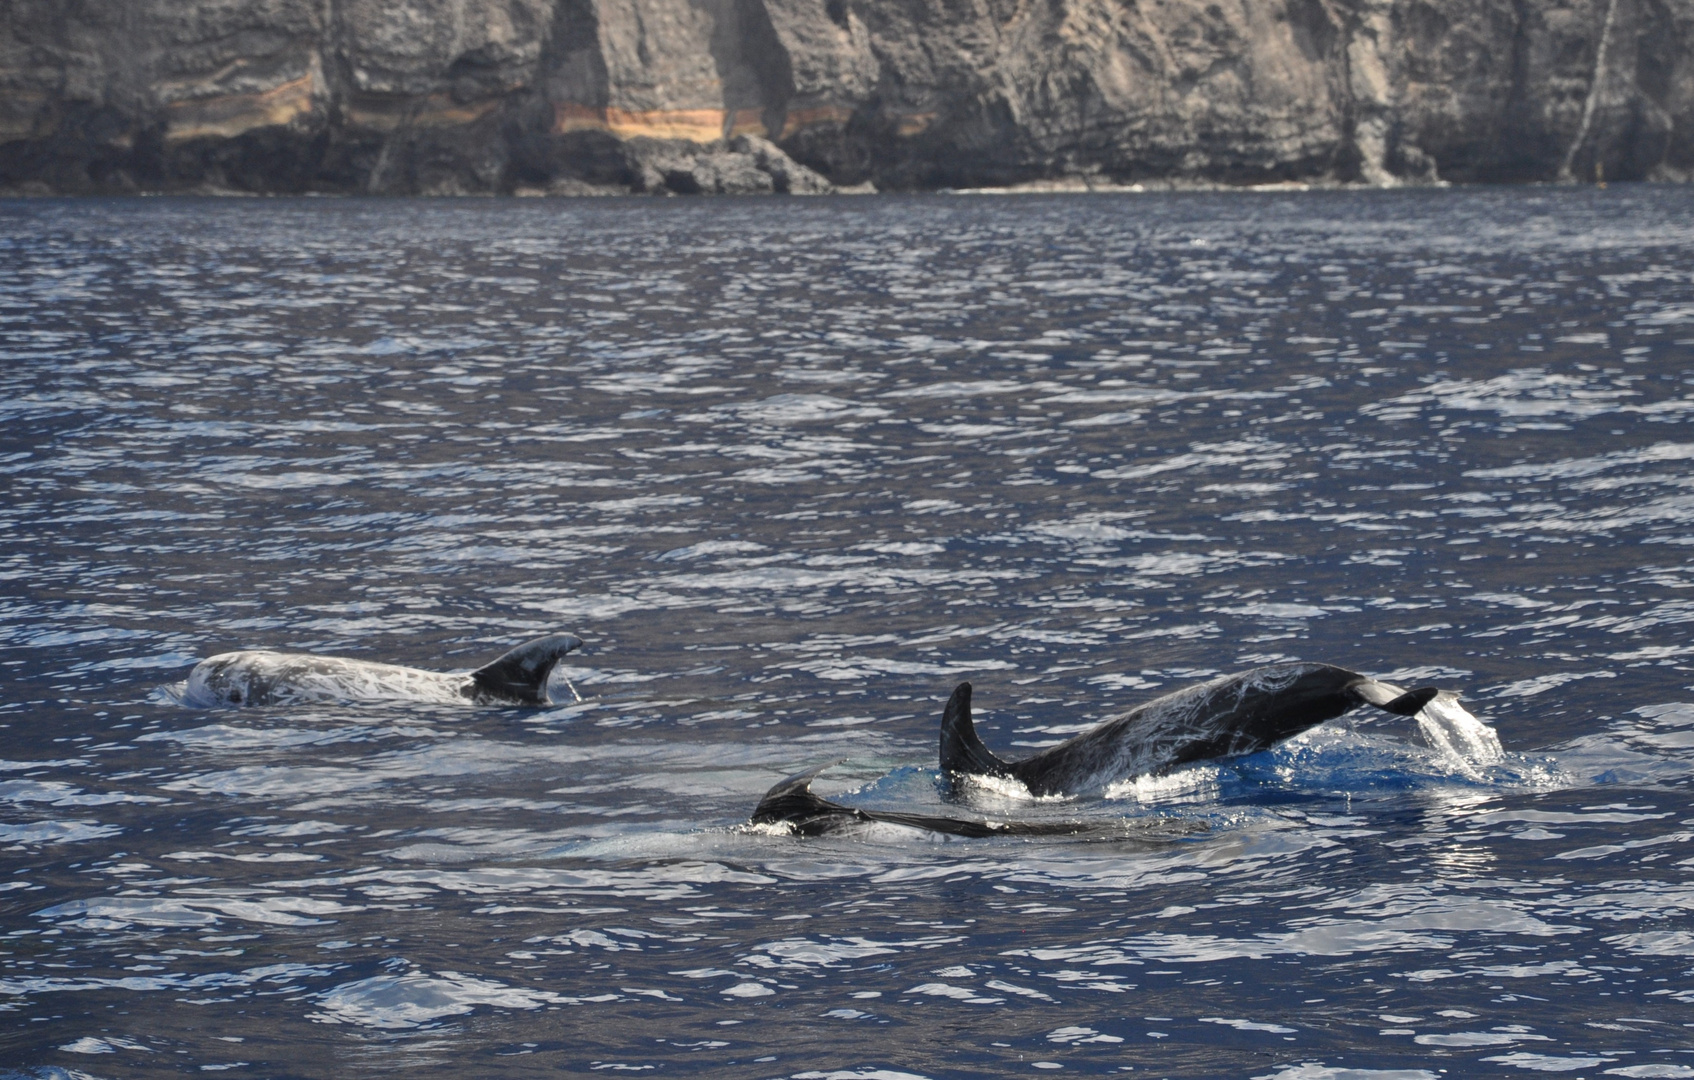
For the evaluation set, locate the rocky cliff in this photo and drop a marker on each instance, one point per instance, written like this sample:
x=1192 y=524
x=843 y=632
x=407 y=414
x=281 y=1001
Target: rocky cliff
x=467 y=96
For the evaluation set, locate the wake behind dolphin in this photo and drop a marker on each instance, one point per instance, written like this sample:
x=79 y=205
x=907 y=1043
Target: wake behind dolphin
x=1227 y=717
x=519 y=677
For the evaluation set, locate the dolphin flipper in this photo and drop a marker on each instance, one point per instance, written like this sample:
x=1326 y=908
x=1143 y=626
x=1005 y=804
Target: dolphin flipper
x=520 y=676
x=962 y=750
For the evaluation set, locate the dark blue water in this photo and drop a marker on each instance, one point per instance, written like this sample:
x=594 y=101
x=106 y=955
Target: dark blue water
x=794 y=468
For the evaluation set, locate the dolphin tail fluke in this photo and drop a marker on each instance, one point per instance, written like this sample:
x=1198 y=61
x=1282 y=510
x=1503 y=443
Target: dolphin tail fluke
x=961 y=750
x=1391 y=698
x=520 y=676
x=791 y=799
x=1412 y=701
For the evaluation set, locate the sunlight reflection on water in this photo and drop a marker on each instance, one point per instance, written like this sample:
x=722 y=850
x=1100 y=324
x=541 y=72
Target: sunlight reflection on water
x=792 y=470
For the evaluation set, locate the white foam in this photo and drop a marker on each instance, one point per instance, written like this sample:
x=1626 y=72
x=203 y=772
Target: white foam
x=767 y=828
x=1197 y=784
x=1005 y=787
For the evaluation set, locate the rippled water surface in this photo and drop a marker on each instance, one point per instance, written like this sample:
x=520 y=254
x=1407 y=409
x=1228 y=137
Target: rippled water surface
x=793 y=469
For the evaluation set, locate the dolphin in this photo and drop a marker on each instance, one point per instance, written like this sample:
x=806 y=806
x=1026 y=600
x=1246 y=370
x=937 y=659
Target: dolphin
x=279 y=678
x=793 y=805
x=1226 y=717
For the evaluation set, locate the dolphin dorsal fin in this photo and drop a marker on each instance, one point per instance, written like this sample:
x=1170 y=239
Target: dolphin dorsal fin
x=520 y=676
x=961 y=749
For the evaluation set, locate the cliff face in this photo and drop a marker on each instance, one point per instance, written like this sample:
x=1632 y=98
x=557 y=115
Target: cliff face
x=462 y=96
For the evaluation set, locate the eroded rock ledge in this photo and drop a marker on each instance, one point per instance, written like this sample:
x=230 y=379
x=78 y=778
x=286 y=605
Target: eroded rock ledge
x=810 y=96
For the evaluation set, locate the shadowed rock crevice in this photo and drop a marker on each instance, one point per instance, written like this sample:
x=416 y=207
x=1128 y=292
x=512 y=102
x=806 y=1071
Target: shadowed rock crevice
x=604 y=96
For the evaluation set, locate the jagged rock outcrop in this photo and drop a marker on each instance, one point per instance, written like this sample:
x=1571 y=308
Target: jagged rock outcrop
x=799 y=96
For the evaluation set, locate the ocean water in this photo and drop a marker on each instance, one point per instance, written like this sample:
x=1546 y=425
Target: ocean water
x=793 y=469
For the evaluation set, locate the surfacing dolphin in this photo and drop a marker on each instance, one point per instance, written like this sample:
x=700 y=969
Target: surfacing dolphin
x=792 y=804
x=1227 y=717
x=280 y=678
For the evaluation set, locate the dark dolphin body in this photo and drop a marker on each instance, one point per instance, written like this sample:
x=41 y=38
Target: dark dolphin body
x=792 y=803
x=257 y=677
x=1226 y=717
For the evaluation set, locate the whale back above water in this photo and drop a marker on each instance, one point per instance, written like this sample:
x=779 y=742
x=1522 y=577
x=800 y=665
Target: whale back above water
x=260 y=677
x=1226 y=717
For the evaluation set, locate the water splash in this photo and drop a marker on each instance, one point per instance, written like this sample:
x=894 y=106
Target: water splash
x=1455 y=732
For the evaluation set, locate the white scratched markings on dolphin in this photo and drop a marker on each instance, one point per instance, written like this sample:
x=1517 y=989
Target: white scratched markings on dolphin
x=257 y=677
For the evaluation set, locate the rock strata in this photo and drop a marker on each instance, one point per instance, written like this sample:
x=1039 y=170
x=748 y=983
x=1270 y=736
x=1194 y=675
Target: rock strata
x=810 y=96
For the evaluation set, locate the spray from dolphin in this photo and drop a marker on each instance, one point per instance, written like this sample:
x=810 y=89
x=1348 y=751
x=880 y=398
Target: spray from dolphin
x=519 y=677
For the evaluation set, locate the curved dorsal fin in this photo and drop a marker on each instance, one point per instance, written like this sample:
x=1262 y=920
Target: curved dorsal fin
x=520 y=676
x=962 y=750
